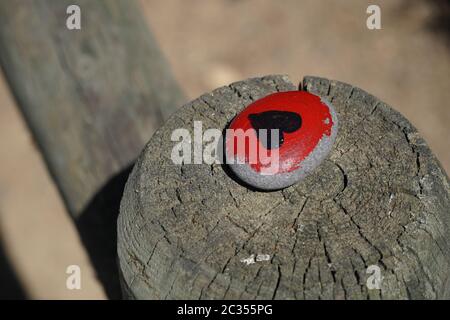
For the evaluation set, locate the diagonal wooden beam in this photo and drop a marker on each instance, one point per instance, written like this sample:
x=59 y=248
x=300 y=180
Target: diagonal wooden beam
x=92 y=98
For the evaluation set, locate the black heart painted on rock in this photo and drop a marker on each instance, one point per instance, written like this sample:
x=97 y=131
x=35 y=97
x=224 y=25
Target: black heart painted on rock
x=284 y=121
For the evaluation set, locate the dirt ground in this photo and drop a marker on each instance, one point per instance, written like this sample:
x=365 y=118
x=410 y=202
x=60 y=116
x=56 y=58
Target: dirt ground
x=212 y=43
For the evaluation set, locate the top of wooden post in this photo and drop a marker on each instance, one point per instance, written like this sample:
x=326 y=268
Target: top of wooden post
x=380 y=202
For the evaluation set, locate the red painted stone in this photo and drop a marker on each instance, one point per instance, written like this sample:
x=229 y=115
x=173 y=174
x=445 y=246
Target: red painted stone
x=303 y=120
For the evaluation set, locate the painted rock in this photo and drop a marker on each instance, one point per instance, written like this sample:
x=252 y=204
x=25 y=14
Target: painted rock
x=277 y=140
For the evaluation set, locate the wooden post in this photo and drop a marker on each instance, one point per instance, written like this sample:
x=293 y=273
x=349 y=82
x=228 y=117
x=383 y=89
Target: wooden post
x=92 y=98
x=380 y=202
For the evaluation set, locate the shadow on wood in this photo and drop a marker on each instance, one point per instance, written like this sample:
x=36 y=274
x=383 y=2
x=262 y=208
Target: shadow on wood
x=97 y=226
x=10 y=287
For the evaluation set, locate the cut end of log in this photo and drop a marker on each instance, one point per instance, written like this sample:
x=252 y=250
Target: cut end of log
x=371 y=222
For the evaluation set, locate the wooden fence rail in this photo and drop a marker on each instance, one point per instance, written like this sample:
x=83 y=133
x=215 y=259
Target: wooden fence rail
x=92 y=98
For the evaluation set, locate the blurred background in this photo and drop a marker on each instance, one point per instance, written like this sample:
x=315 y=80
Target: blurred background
x=210 y=44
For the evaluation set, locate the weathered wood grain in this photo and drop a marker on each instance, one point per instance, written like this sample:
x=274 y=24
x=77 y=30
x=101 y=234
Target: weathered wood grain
x=92 y=97
x=381 y=198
